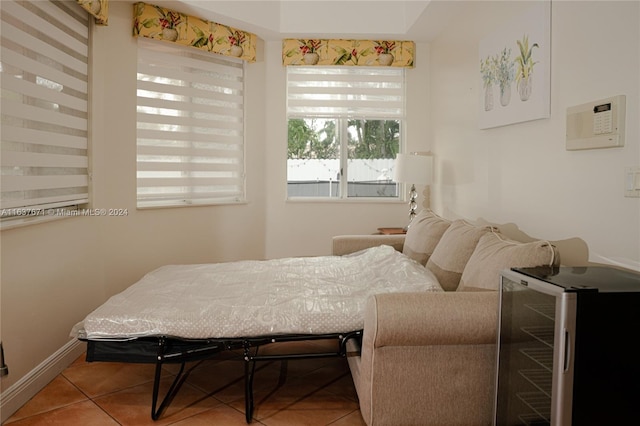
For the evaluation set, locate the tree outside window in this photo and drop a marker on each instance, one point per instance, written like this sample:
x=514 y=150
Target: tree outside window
x=321 y=165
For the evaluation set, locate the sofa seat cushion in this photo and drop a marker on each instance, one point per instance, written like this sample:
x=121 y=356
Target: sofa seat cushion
x=453 y=251
x=423 y=235
x=495 y=253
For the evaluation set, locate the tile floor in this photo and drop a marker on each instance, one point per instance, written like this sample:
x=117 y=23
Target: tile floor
x=315 y=392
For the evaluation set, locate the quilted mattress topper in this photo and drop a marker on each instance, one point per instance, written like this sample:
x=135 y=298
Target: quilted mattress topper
x=305 y=295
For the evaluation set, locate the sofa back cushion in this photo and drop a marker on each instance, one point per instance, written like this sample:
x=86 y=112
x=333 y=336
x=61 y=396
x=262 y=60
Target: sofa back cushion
x=453 y=251
x=423 y=235
x=494 y=253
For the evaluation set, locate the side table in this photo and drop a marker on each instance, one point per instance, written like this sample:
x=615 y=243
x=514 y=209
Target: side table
x=392 y=231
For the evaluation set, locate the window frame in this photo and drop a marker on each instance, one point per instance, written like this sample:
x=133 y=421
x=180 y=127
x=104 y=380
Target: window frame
x=342 y=124
x=49 y=148
x=210 y=164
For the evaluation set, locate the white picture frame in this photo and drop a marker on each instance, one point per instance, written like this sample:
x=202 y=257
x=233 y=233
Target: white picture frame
x=515 y=69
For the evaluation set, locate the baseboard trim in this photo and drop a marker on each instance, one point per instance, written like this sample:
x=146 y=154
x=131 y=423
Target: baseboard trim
x=16 y=395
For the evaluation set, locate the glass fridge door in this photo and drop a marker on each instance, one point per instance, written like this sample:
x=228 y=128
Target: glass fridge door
x=530 y=339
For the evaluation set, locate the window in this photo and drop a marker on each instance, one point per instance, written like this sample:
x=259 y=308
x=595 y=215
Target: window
x=190 y=140
x=344 y=131
x=44 y=67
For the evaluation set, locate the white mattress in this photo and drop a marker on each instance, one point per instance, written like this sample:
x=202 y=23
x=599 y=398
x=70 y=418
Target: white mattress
x=313 y=295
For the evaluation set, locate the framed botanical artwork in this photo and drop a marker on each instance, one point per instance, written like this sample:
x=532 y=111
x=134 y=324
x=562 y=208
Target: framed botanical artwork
x=514 y=72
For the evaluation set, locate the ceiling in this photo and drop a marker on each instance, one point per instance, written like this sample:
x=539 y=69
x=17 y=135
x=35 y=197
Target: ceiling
x=417 y=20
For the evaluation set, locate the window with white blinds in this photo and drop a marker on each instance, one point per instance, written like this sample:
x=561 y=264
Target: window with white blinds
x=348 y=92
x=345 y=127
x=44 y=68
x=190 y=139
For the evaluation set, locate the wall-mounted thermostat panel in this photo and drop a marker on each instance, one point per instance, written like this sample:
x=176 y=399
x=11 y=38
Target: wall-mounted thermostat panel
x=598 y=124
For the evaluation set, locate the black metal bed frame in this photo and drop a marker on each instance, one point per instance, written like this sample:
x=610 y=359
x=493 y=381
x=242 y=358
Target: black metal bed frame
x=171 y=350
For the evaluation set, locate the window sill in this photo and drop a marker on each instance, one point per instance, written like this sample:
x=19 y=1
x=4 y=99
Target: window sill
x=15 y=223
x=179 y=206
x=356 y=200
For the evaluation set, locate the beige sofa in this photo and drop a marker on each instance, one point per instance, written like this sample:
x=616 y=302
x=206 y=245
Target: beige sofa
x=429 y=358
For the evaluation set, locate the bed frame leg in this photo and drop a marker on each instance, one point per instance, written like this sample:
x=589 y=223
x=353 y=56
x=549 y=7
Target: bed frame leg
x=250 y=359
x=173 y=389
x=249 y=370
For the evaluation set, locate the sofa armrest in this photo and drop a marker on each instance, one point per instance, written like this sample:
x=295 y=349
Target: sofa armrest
x=427 y=358
x=345 y=244
x=447 y=318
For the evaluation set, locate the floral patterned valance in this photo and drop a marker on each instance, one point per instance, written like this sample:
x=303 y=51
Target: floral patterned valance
x=99 y=9
x=163 y=24
x=348 y=52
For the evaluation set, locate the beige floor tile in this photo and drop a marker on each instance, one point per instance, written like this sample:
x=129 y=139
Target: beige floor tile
x=81 y=413
x=210 y=376
x=132 y=406
x=299 y=368
x=80 y=360
x=99 y=378
x=59 y=393
x=314 y=392
x=268 y=401
x=352 y=419
x=318 y=409
x=225 y=380
x=343 y=386
x=222 y=415
x=329 y=371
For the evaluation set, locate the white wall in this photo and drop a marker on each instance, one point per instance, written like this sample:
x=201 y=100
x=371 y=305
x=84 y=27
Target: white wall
x=55 y=273
x=522 y=173
x=298 y=228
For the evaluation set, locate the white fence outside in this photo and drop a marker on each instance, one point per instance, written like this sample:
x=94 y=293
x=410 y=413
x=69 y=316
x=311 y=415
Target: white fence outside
x=328 y=170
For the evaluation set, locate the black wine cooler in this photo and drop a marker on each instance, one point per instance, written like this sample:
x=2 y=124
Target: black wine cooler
x=568 y=347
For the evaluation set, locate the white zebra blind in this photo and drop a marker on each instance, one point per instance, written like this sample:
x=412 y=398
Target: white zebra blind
x=44 y=69
x=190 y=143
x=347 y=92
